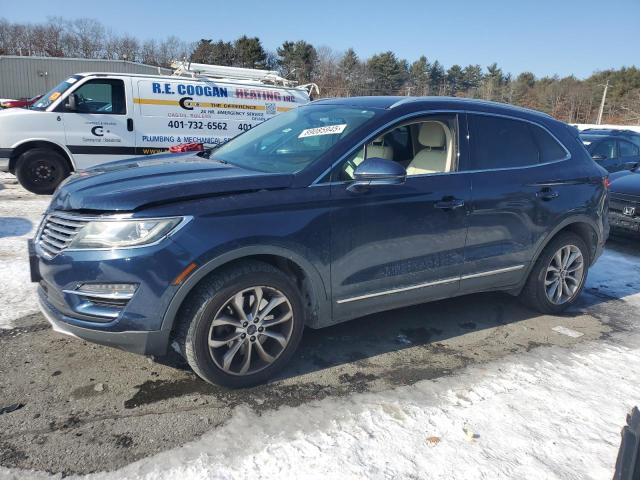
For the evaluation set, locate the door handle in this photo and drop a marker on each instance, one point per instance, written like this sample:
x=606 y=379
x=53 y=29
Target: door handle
x=449 y=203
x=130 y=124
x=547 y=194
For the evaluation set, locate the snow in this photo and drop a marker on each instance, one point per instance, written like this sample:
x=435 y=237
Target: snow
x=20 y=214
x=616 y=275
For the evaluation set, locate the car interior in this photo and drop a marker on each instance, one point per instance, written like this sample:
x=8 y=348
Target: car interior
x=423 y=148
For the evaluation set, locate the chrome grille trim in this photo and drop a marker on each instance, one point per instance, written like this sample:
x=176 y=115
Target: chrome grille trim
x=57 y=232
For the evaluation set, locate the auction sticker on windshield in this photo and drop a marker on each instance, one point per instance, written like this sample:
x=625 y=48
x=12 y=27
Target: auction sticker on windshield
x=328 y=130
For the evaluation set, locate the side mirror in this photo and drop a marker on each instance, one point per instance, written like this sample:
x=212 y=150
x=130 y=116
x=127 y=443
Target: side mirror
x=71 y=104
x=598 y=156
x=377 y=171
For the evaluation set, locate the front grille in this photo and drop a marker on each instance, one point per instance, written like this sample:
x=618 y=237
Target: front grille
x=617 y=202
x=57 y=232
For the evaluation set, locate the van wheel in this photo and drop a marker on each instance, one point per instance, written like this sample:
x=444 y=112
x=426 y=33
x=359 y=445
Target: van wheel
x=40 y=170
x=559 y=275
x=241 y=325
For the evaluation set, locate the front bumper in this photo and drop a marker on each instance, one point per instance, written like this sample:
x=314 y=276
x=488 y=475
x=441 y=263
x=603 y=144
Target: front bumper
x=141 y=342
x=624 y=222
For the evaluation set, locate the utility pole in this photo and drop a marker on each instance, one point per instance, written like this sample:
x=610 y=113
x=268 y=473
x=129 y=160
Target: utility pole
x=604 y=97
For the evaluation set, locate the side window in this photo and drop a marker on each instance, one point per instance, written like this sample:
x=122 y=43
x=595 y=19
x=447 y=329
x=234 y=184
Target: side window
x=628 y=149
x=498 y=142
x=605 y=149
x=550 y=149
x=101 y=96
x=423 y=147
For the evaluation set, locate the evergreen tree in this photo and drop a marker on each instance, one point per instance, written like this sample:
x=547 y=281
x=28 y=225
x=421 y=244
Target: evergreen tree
x=249 y=53
x=297 y=60
x=387 y=73
x=419 y=76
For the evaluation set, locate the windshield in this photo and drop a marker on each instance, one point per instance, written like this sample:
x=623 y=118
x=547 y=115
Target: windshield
x=52 y=95
x=289 y=142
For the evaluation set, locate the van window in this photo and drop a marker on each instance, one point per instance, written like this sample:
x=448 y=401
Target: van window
x=101 y=96
x=498 y=142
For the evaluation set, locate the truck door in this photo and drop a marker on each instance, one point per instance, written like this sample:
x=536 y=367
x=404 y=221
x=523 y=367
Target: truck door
x=98 y=121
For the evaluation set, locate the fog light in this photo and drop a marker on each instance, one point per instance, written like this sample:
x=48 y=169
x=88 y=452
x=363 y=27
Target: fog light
x=107 y=290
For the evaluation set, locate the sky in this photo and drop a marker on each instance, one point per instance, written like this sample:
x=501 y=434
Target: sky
x=545 y=37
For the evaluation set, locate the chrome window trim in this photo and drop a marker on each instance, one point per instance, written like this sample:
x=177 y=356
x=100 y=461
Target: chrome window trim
x=431 y=284
x=567 y=157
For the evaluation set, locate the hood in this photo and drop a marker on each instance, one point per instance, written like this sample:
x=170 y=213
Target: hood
x=129 y=185
x=626 y=182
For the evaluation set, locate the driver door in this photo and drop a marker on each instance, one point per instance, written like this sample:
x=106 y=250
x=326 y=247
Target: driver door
x=397 y=245
x=100 y=127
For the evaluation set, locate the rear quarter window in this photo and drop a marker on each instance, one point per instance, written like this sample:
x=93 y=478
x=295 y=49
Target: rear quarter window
x=498 y=142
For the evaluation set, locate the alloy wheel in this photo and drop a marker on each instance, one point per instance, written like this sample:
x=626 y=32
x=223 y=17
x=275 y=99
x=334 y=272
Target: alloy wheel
x=564 y=275
x=251 y=330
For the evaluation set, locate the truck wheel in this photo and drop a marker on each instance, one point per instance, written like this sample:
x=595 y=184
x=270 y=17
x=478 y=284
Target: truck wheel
x=40 y=170
x=558 y=277
x=241 y=325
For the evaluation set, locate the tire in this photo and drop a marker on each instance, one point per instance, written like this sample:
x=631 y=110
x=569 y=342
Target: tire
x=536 y=293
x=40 y=170
x=213 y=299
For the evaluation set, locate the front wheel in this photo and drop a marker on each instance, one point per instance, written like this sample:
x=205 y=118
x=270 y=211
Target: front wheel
x=40 y=170
x=241 y=325
x=559 y=275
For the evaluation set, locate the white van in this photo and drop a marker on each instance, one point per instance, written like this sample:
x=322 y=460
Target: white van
x=92 y=118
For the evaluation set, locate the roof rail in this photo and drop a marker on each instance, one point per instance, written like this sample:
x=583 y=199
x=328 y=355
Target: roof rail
x=202 y=70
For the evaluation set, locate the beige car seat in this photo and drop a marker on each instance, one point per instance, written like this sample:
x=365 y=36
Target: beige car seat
x=437 y=154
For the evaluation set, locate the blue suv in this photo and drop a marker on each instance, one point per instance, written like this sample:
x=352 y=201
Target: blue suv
x=329 y=212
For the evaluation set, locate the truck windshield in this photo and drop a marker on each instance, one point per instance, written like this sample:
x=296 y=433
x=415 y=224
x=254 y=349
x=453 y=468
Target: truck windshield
x=52 y=95
x=289 y=142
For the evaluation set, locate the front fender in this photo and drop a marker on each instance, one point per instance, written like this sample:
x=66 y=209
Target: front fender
x=321 y=302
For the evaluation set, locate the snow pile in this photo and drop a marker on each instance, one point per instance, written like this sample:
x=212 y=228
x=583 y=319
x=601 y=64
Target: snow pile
x=550 y=415
x=20 y=214
x=616 y=275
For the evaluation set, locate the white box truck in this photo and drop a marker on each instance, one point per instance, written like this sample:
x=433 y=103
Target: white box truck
x=92 y=118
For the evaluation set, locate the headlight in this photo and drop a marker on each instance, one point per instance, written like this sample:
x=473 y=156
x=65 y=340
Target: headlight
x=124 y=233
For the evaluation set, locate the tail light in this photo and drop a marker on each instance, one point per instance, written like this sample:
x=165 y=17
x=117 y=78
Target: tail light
x=187 y=147
x=606 y=183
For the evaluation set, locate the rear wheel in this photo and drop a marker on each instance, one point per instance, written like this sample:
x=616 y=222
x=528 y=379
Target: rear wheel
x=241 y=325
x=40 y=170
x=558 y=277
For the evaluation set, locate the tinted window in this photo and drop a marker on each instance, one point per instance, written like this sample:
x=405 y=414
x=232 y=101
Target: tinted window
x=550 y=149
x=605 y=149
x=628 y=149
x=498 y=142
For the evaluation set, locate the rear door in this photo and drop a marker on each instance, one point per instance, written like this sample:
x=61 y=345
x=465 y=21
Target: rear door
x=629 y=154
x=520 y=185
x=100 y=129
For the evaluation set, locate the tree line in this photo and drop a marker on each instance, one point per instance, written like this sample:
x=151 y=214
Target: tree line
x=341 y=73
